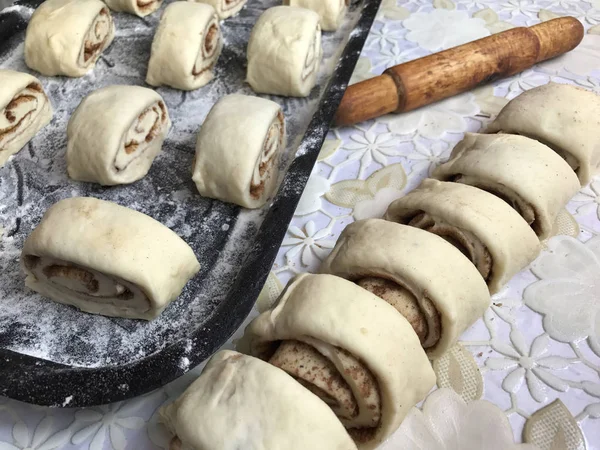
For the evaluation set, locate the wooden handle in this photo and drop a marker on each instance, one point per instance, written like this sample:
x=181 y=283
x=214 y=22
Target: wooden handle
x=435 y=77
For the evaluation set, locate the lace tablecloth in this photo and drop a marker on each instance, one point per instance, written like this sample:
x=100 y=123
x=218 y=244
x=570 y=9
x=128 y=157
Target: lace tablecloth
x=535 y=355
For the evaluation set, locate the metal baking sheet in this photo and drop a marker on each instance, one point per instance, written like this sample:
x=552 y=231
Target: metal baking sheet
x=52 y=354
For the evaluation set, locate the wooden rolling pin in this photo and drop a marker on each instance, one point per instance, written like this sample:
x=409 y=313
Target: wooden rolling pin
x=435 y=77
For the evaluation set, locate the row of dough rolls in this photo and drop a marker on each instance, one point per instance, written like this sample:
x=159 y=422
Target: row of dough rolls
x=106 y=259
x=336 y=350
x=24 y=110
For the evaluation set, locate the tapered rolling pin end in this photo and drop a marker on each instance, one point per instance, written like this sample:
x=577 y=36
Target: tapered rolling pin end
x=558 y=36
x=367 y=100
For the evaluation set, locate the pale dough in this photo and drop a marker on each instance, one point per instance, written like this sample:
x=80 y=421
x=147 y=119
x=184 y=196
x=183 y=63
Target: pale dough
x=115 y=133
x=224 y=8
x=491 y=233
x=66 y=37
x=242 y=403
x=330 y=313
x=528 y=175
x=186 y=46
x=24 y=110
x=284 y=52
x=138 y=7
x=106 y=259
x=331 y=11
x=238 y=150
x=432 y=270
x=564 y=117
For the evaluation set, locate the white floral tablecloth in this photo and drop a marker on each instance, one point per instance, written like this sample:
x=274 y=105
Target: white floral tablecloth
x=535 y=355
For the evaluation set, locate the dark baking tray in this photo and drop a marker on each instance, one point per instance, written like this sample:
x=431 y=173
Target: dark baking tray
x=43 y=382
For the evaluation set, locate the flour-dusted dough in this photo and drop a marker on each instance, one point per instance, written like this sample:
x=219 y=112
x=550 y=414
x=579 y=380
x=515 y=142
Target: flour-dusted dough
x=106 y=259
x=24 y=110
x=242 y=403
x=140 y=8
x=564 y=117
x=224 y=8
x=115 y=133
x=485 y=228
x=186 y=46
x=358 y=349
x=66 y=37
x=238 y=150
x=427 y=279
x=284 y=52
x=528 y=175
x=331 y=11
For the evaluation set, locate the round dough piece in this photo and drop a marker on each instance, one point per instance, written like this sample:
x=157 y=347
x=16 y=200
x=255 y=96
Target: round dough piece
x=332 y=12
x=186 y=47
x=238 y=150
x=284 y=52
x=115 y=133
x=66 y=37
x=526 y=174
x=24 y=110
x=483 y=227
x=348 y=346
x=106 y=259
x=428 y=280
x=564 y=117
x=140 y=8
x=240 y=402
x=224 y=8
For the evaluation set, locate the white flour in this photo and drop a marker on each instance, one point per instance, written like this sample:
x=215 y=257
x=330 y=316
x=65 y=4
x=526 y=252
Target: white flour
x=220 y=234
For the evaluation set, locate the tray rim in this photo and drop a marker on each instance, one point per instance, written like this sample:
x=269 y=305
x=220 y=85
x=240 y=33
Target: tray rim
x=47 y=383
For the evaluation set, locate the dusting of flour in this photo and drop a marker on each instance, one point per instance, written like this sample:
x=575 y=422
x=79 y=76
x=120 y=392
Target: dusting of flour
x=220 y=234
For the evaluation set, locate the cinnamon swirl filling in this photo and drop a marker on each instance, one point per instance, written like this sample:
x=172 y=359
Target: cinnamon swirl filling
x=97 y=38
x=210 y=50
x=313 y=57
x=272 y=147
x=20 y=113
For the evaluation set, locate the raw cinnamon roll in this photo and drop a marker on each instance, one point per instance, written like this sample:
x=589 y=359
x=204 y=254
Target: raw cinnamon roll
x=24 y=110
x=140 y=8
x=115 y=133
x=331 y=11
x=425 y=278
x=106 y=259
x=350 y=348
x=483 y=227
x=238 y=150
x=241 y=402
x=186 y=46
x=224 y=8
x=284 y=52
x=66 y=37
x=564 y=117
x=526 y=174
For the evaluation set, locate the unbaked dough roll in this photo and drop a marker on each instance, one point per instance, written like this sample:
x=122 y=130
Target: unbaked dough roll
x=241 y=402
x=350 y=348
x=24 y=110
x=331 y=11
x=483 y=227
x=564 y=117
x=224 y=8
x=115 y=133
x=425 y=278
x=528 y=175
x=284 y=52
x=186 y=46
x=138 y=7
x=238 y=150
x=66 y=37
x=106 y=259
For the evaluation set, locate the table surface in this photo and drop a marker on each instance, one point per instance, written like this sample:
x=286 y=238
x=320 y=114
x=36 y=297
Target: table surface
x=529 y=370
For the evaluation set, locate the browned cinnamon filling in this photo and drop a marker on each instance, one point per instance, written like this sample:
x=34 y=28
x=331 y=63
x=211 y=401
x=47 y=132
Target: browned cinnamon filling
x=273 y=142
x=145 y=5
x=142 y=132
x=212 y=39
x=347 y=386
x=210 y=42
x=465 y=241
x=422 y=316
x=26 y=99
x=98 y=39
x=175 y=444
